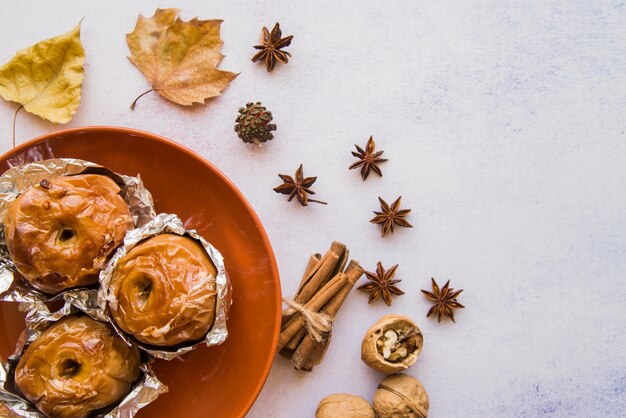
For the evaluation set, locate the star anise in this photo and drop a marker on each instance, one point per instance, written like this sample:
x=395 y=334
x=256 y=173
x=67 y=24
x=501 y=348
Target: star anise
x=298 y=187
x=270 y=48
x=381 y=284
x=368 y=159
x=391 y=216
x=445 y=300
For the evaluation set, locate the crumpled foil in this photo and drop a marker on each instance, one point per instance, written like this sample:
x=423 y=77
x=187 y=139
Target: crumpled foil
x=39 y=318
x=18 y=179
x=163 y=224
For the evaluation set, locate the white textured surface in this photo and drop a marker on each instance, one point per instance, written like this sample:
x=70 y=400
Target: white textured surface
x=504 y=124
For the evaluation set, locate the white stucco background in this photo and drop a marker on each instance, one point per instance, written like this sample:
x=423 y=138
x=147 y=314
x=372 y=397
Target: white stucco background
x=504 y=123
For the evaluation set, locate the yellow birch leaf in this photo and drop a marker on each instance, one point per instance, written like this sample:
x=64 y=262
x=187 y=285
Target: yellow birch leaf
x=46 y=78
x=178 y=58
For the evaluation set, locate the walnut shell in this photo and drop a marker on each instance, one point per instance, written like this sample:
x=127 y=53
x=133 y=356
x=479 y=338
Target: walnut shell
x=371 y=354
x=344 y=405
x=401 y=396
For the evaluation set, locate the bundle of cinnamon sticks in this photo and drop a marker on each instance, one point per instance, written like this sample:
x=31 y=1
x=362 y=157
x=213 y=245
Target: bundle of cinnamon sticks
x=324 y=287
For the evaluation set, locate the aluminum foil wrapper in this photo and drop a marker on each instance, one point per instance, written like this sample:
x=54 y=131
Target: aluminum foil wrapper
x=172 y=224
x=39 y=318
x=18 y=179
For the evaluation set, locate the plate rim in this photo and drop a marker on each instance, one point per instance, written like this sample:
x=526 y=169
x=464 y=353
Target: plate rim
x=158 y=138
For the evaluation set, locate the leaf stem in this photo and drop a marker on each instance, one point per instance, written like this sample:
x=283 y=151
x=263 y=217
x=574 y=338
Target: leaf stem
x=132 y=106
x=14 y=119
x=317 y=201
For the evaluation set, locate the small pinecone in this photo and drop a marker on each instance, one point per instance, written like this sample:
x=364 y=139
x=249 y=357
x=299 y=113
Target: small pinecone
x=253 y=124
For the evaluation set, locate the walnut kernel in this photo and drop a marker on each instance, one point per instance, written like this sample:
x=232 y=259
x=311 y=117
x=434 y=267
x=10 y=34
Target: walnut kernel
x=392 y=344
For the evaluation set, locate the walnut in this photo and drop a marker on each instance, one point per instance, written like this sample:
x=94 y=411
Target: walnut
x=345 y=406
x=401 y=396
x=392 y=344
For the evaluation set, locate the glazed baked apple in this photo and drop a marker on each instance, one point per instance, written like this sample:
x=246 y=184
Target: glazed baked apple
x=61 y=231
x=77 y=366
x=164 y=291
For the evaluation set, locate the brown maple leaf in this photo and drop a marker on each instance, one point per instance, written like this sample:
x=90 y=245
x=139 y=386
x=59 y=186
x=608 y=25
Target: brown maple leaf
x=270 y=48
x=298 y=187
x=445 y=300
x=381 y=284
x=391 y=215
x=368 y=159
x=179 y=58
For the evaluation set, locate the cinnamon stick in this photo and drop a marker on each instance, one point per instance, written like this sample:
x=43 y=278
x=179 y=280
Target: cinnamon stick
x=319 y=270
x=313 y=261
x=342 y=262
x=310 y=352
x=353 y=274
x=291 y=346
x=288 y=350
x=314 y=304
x=321 y=273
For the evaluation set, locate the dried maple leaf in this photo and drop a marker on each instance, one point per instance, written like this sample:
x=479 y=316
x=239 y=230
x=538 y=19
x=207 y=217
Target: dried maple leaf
x=445 y=300
x=46 y=79
x=270 y=48
x=178 y=58
x=298 y=187
x=368 y=159
x=391 y=215
x=381 y=284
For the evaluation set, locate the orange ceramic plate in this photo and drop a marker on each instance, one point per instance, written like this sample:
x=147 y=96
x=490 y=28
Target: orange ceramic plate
x=219 y=381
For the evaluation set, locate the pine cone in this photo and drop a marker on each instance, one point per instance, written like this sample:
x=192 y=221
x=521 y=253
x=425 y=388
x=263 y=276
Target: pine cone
x=253 y=124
